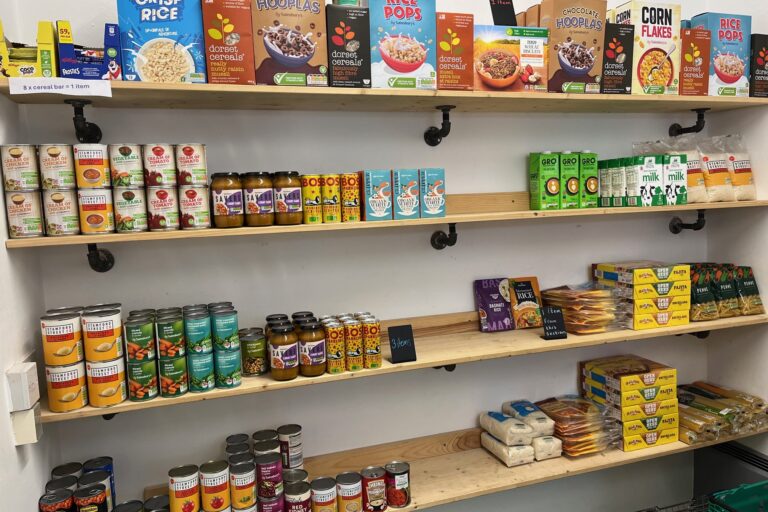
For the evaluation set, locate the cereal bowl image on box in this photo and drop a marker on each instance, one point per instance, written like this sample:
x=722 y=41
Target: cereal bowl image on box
x=288 y=46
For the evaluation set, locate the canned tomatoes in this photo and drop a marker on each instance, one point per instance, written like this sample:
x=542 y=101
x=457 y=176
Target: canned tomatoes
x=349 y=489
x=91 y=166
x=334 y=339
x=163 y=208
x=330 y=187
x=106 y=382
x=323 y=494
x=139 y=340
x=19 y=167
x=102 y=335
x=192 y=164
x=142 y=381
x=371 y=342
x=130 y=210
x=61 y=216
x=398 y=484
x=214 y=486
x=202 y=376
x=159 y=165
x=242 y=485
x=291 y=447
x=25 y=217
x=56 y=501
x=374 y=488
x=169 y=332
x=66 y=387
x=312 y=197
x=92 y=498
x=228 y=368
x=127 y=167
x=184 y=489
x=197 y=332
x=96 y=213
x=194 y=207
x=350 y=197
x=57 y=166
x=62 y=339
x=298 y=497
x=353 y=342
x=173 y=377
x=269 y=476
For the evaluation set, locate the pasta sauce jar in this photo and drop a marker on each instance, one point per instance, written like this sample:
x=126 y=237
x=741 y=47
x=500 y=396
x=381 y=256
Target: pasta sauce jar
x=312 y=349
x=288 y=204
x=227 y=194
x=259 y=199
x=284 y=352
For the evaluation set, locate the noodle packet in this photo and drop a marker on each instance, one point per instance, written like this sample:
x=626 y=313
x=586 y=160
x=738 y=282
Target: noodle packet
x=750 y=302
x=687 y=145
x=714 y=165
x=703 y=303
x=724 y=289
x=739 y=166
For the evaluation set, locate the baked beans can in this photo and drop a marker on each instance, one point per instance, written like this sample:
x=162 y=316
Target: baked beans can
x=160 y=503
x=291 y=447
x=298 y=497
x=173 y=377
x=65 y=482
x=350 y=197
x=169 y=333
x=62 y=339
x=398 y=484
x=330 y=185
x=130 y=210
x=240 y=458
x=106 y=382
x=159 y=165
x=127 y=166
x=228 y=367
x=102 y=335
x=142 y=381
x=25 y=216
x=192 y=164
x=184 y=489
x=265 y=435
x=349 y=491
x=269 y=476
x=97 y=477
x=323 y=494
x=242 y=485
x=295 y=475
x=194 y=207
x=374 y=488
x=202 y=374
x=197 y=331
x=92 y=166
x=67 y=469
x=103 y=463
x=129 y=506
x=265 y=447
x=61 y=215
x=56 y=501
x=254 y=349
x=235 y=449
x=96 y=212
x=214 y=486
x=353 y=343
x=371 y=342
x=139 y=340
x=19 y=167
x=335 y=346
x=163 y=208
x=276 y=504
x=57 y=166
x=92 y=498
x=311 y=194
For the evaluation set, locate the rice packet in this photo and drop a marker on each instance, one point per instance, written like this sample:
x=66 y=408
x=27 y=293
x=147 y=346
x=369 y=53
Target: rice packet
x=739 y=167
x=714 y=165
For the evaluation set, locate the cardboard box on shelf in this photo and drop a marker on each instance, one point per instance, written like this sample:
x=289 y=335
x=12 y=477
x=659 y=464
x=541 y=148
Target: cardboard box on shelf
x=639 y=322
x=455 y=34
x=643 y=411
x=603 y=396
x=659 y=305
x=758 y=82
x=694 y=66
x=649 y=440
x=533 y=16
x=647 y=291
x=642 y=272
x=617 y=59
x=89 y=63
x=729 y=53
x=349 y=46
x=229 y=41
x=20 y=60
x=627 y=373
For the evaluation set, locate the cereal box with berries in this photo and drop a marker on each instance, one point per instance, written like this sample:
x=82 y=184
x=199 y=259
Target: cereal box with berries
x=510 y=58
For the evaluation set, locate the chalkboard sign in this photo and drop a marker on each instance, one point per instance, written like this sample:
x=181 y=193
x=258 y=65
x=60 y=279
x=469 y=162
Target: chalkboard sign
x=503 y=12
x=402 y=344
x=554 y=323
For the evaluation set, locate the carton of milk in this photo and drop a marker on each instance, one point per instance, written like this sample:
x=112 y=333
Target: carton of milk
x=649 y=172
x=377 y=194
x=432 y=190
x=676 y=179
x=405 y=187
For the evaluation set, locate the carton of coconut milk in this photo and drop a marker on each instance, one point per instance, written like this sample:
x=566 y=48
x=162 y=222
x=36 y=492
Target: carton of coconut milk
x=676 y=179
x=405 y=188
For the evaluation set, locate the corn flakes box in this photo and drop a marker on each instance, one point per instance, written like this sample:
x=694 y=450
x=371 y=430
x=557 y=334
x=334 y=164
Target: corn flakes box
x=643 y=411
x=627 y=373
x=642 y=272
x=729 y=53
x=603 y=396
x=652 y=424
x=659 y=305
x=647 y=291
x=640 y=322
x=649 y=440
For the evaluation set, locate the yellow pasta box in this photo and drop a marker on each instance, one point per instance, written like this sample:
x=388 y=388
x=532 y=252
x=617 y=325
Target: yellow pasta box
x=649 y=440
x=642 y=272
x=647 y=291
x=660 y=304
x=607 y=396
x=29 y=60
x=659 y=320
x=627 y=373
x=644 y=411
x=652 y=424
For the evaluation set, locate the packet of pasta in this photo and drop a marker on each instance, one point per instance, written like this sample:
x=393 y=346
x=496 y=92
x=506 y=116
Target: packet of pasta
x=750 y=302
x=724 y=289
x=703 y=303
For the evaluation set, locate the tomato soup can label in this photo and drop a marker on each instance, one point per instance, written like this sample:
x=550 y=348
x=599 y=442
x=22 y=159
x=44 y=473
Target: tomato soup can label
x=66 y=387
x=103 y=335
x=269 y=476
x=106 y=382
x=163 y=208
x=61 y=215
x=214 y=486
x=130 y=210
x=184 y=490
x=254 y=349
x=224 y=325
x=202 y=376
x=25 y=217
x=350 y=197
x=139 y=340
x=62 y=339
x=159 y=165
x=142 y=381
x=242 y=486
x=19 y=163
x=335 y=347
x=259 y=200
x=194 y=207
x=198 y=334
x=272 y=505
x=192 y=164
x=127 y=166
x=353 y=343
x=91 y=166
x=311 y=194
x=228 y=368
x=96 y=213
x=169 y=333
x=57 y=166
x=173 y=377
x=330 y=186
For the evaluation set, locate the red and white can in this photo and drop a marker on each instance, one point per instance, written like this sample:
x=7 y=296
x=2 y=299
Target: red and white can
x=194 y=207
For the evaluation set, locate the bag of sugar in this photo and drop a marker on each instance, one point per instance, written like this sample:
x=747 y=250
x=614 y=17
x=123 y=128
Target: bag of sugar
x=508 y=430
x=547 y=447
x=509 y=455
x=531 y=415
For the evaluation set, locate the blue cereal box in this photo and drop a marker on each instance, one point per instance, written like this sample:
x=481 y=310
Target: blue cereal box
x=162 y=40
x=432 y=188
x=730 y=54
x=77 y=61
x=405 y=186
x=377 y=194
x=403 y=44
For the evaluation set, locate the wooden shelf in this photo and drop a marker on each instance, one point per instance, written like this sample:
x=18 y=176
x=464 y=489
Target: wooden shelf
x=440 y=340
x=262 y=97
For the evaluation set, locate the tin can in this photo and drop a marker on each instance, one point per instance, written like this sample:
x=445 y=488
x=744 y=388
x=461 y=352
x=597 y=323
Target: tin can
x=62 y=339
x=142 y=381
x=130 y=210
x=25 y=216
x=254 y=348
x=374 y=488
x=184 y=489
x=64 y=309
x=61 y=214
x=398 y=484
x=242 y=485
x=175 y=310
x=56 y=501
x=194 y=207
x=173 y=377
x=298 y=496
x=235 y=449
x=252 y=508
x=311 y=195
x=57 y=166
x=291 y=447
x=276 y=504
x=349 y=491
x=265 y=435
x=161 y=503
x=353 y=343
x=19 y=167
x=269 y=476
x=202 y=376
x=103 y=463
x=323 y=494
x=371 y=342
x=91 y=166
x=235 y=439
x=265 y=447
x=334 y=339
x=163 y=208
x=228 y=368
x=106 y=382
x=214 y=486
x=224 y=327
x=330 y=186
x=169 y=333
x=350 y=197
x=240 y=458
x=129 y=506
x=139 y=340
x=67 y=469
x=94 y=478
x=104 y=306
x=92 y=498
x=96 y=213
x=65 y=482
x=197 y=331
x=127 y=167
x=159 y=166
x=192 y=164
x=102 y=335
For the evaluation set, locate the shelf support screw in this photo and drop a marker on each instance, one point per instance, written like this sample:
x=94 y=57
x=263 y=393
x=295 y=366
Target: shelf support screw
x=676 y=225
x=87 y=133
x=440 y=240
x=434 y=135
x=100 y=260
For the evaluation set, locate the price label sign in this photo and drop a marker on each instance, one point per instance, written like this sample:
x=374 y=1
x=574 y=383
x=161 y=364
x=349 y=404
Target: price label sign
x=401 y=344
x=554 y=323
x=63 y=86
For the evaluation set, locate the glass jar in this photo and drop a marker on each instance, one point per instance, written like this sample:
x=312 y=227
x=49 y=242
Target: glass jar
x=227 y=196
x=288 y=208
x=277 y=323
x=301 y=315
x=259 y=199
x=312 y=349
x=284 y=353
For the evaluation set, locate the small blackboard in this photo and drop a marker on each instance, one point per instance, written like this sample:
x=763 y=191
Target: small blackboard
x=503 y=12
x=554 y=323
x=402 y=344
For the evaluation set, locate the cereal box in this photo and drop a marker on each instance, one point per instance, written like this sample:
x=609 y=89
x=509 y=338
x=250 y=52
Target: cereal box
x=405 y=187
x=576 y=37
x=520 y=18
x=544 y=178
x=432 y=190
x=44 y=63
x=694 y=66
x=532 y=16
x=162 y=41
x=290 y=42
x=403 y=44
x=77 y=61
x=510 y=58
x=569 y=181
x=656 y=59
x=676 y=179
x=377 y=194
x=730 y=52
x=454 y=51
x=349 y=46
x=229 y=41
x=758 y=83
x=617 y=59
x=588 y=180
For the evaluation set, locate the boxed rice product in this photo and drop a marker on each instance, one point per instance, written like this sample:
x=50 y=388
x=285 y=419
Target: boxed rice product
x=628 y=373
x=493 y=304
x=694 y=66
x=730 y=52
x=162 y=41
x=229 y=41
x=617 y=59
x=651 y=439
x=642 y=272
x=454 y=51
x=349 y=46
x=758 y=82
x=510 y=59
x=403 y=44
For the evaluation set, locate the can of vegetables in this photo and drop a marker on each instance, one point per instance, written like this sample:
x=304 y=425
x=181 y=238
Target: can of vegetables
x=169 y=332
x=142 y=381
x=173 y=377
x=130 y=210
x=139 y=340
x=228 y=368
x=201 y=373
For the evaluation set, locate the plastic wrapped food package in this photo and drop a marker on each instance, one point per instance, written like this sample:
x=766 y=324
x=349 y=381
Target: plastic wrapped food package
x=531 y=415
x=714 y=165
x=688 y=145
x=587 y=309
x=739 y=166
x=703 y=302
x=749 y=299
x=508 y=430
x=580 y=424
x=756 y=403
x=547 y=447
x=702 y=422
x=509 y=455
x=734 y=418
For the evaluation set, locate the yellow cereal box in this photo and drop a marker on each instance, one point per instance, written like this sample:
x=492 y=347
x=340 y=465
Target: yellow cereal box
x=627 y=373
x=652 y=424
x=659 y=305
x=657 y=320
x=650 y=439
x=643 y=411
x=642 y=272
x=647 y=291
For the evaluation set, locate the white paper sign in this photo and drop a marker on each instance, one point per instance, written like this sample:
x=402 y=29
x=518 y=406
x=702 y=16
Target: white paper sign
x=64 y=86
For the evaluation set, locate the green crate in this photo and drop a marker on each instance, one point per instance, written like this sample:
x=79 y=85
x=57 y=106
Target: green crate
x=745 y=498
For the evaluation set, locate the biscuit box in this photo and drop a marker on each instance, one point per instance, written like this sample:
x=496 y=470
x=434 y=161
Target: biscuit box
x=730 y=52
x=647 y=291
x=510 y=59
x=405 y=187
x=455 y=34
x=758 y=82
x=289 y=42
x=694 y=66
x=643 y=411
x=432 y=190
x=403 y=52
x=604 y=396
x=659 y=305
x=89 y=63
x=617 y=59
x=229 y=41
x=377 y=194
x=349 y=46
x=162 y=41
x=44 y=62
x=649 y=440
x=652 y=424
x=640 y=322
x=642 y=272
x=627 y=373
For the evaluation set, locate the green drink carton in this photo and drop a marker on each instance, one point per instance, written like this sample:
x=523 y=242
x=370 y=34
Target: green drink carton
x=544 y=177
x=604 y=182
x=588 y=180
x=676 y=179
x=405 y=187
x=432 y=190
x=569 y=180
x=618 y=182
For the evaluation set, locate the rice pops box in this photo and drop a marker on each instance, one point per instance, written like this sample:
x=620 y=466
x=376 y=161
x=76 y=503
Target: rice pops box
x=403 y=44
x=730 y=52
x=162 y=41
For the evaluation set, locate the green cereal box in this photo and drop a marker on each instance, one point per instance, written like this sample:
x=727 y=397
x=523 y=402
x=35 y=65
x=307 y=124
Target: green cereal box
x=618 y=183
x=588 y=179
x=544 y=177
x=604 y=179
x=569 y=180
x=676 y=179
x=650 y=171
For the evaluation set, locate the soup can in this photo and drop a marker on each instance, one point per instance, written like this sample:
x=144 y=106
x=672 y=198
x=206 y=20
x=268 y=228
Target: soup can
x=398 y=484
x=236 y=439
x=330 y=185
x=61 y=214
x=202 y=376
x=19 y=163
x=62 y=339
x=295 y=475
x=242 y=485
x=335 y=346
x=374 y=488
x=96 y=213
x=353 y=344
x=192 y=164
x=291 y=447
x=312 y=196
x=160 y=503
x=25 y=216
x=103 y=463
x=298 y=497
x=130 y=210
x=265 y=435
x=65 y=482
x=159 y=166
x=57 y=166
x=276 y=504
x=142 y=381
x=194 y=207
x=265 y=447
x=169 y=333
x=240 y=458
x=323 y=494
x=97 y=478
x=225 y=327
x=254 y=348
x=106 y=382
x=228 y=368
x=139 y=339
x=197 y=332
x=214 y=486
x=91 y=166
x=102 y=335
x=269 y=476
x=56 y=501
x=67 y=469
x=129 y=506
x=127 y=166
x=103 y=306
x=350 y=197
x=173 y=377
x=184 y=489
x=163 y=208
x=92 y=498
x=349 y=489
x=371 y=342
